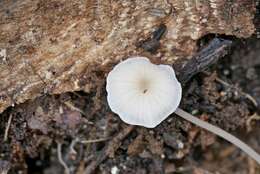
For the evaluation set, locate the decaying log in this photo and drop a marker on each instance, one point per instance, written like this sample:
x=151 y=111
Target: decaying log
x=57 y=46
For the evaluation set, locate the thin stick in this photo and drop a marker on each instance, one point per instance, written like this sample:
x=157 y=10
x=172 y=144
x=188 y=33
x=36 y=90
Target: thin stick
x=227 y=136
x=248 y=96
x=8 y=127
x=66 y=168
x=94 y=141
x=72 y=107
x=255 y=117
x=73 y=143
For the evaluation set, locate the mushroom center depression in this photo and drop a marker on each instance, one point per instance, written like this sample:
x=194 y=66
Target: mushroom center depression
x=144 y=85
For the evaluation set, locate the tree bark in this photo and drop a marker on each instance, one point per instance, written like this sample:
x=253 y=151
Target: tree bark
x=56 y=46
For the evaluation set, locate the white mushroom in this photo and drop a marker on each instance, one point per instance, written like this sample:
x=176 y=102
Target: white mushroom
x=143 y=93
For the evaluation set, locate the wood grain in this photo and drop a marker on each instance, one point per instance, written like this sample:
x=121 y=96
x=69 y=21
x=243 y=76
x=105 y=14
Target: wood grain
x=55 y=46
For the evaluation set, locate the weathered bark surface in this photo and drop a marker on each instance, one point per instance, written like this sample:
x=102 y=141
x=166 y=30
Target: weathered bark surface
x=58 y=46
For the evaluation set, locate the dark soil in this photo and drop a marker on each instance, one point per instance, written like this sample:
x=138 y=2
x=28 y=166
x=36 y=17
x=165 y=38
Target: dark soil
x=91 y=139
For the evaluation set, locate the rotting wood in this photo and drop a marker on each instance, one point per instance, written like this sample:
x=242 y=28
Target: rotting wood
x=215 y=50
x=57 y=46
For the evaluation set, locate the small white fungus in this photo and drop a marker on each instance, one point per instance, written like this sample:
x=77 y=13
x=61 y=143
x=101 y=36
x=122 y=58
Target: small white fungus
x=143 y=93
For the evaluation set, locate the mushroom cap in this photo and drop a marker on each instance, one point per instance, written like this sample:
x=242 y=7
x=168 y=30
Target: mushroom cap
x=143 y=93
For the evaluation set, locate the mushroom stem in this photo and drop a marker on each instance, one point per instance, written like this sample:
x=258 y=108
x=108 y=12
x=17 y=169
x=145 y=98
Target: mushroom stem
x=220 y=132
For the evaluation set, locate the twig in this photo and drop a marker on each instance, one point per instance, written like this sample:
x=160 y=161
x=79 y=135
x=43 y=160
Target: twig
x=248 y=96
x=8 y=127
x=255 y=116
x=74 y=108
x=216 y=49
x=109 y=149
x=73 y=143
x=227 y=152
x=94 y=141
x=66 y=168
